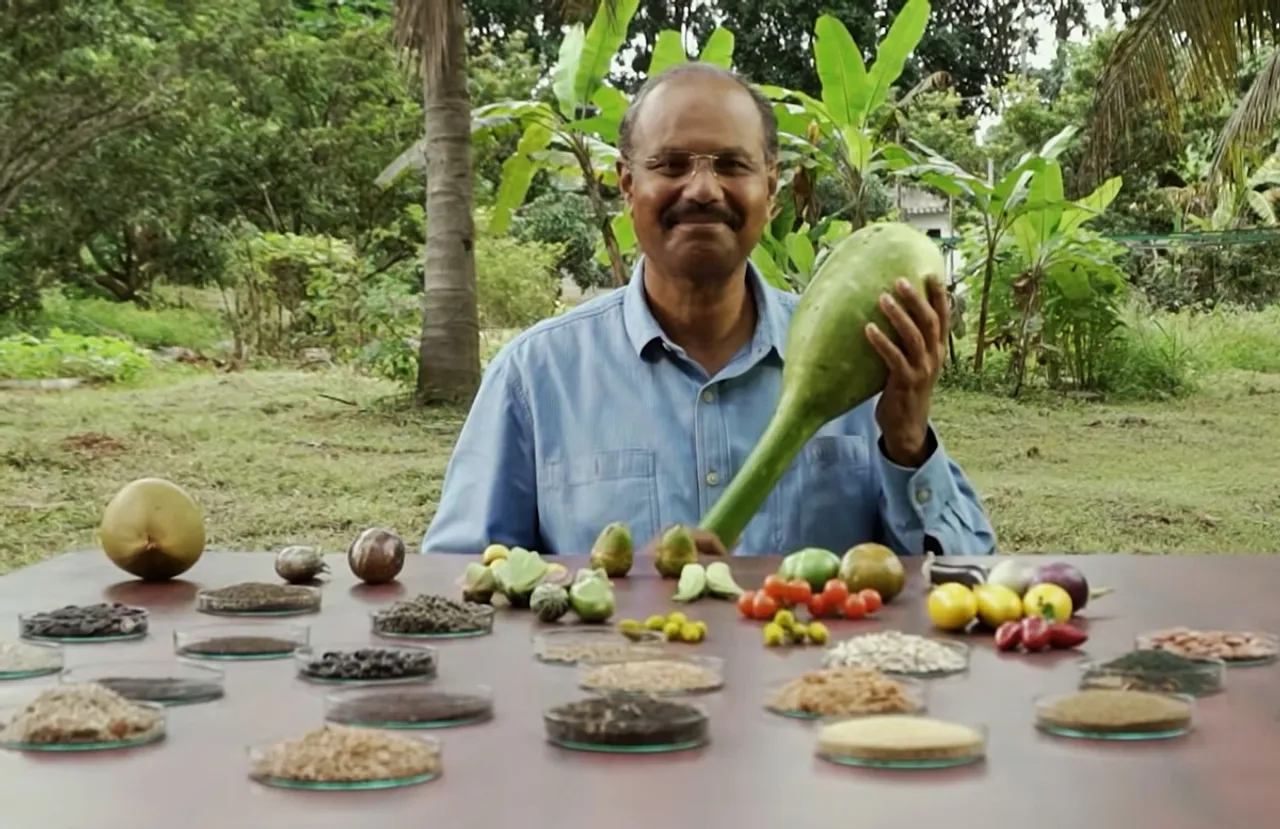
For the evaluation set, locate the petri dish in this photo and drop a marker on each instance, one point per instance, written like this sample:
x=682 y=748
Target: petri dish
x=362 y=663
x=1106 y=714
x=485 y=614
x=573 y=645
x=69 y=624
x=410 y=706
x=1194 y=677
x=627 y=724
x=27 y=660
x=819 y=700
x=901 y=741
x=148 y=724
x=418 y=759
x=1236 y=648
x=236 y=642
x=271 y=600
x=892 y=653
x=171 y=682
x=670 y=674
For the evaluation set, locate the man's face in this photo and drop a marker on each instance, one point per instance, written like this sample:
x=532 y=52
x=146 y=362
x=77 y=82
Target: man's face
x=698 y=217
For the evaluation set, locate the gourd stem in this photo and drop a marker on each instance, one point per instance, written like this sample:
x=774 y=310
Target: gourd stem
x=785 y=436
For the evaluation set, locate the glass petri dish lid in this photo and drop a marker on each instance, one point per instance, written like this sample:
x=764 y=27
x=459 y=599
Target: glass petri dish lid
x=259 y=599
x=233 y=642
x=100 y=622
x=80 y=717
x=26 y=660
x=164 y=682
x=1110 y=714
x=572 y=645
x=901 y=741
x=436 y=617
x=1159 y=671
x=904 y=654
x=627 y=724
x=845 y=693
x=363 y=663
x=670 y=674
x=336 y=757
x=1236 y=648
x=410 y=706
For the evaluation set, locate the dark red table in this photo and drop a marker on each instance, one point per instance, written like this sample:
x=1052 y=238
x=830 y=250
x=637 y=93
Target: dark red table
x=758 y=771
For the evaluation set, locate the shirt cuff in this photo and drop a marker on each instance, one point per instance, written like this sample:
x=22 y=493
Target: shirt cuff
x=918 y=497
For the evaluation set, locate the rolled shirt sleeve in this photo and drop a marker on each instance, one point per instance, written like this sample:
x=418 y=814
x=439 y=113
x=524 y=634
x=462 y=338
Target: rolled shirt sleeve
x=935 y=500
x=490 y=485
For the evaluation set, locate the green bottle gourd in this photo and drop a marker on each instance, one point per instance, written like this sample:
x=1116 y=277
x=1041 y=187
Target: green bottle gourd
x=830 y=367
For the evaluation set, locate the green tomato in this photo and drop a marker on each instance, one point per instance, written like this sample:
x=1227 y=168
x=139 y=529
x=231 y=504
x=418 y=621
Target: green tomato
x=813 y=564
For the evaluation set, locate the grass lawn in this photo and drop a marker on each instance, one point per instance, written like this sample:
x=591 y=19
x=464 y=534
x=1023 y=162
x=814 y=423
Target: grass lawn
x=274 y=458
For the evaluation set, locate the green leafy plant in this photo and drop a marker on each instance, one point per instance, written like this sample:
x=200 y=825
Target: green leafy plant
x=61 y=354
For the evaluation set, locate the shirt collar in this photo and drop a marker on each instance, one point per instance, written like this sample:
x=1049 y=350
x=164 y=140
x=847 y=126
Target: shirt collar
x=643 y=329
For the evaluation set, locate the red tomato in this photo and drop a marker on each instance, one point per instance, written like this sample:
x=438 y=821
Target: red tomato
x=835 y=592
x=764 y=606
x=798 y=592
x=871 y=598
x=745 y=604
x=819 y=606
x=775 y=587
x=854 y=607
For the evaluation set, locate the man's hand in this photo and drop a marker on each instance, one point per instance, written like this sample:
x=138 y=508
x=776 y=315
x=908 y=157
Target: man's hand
x=903 y=410
x=706 y=542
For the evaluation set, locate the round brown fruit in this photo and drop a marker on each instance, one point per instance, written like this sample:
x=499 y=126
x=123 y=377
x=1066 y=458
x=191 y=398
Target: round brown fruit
x=873 y=566
x=152 y=529
x=376 y=556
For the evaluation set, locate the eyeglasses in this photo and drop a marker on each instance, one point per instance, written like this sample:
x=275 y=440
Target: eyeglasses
x=681 y=163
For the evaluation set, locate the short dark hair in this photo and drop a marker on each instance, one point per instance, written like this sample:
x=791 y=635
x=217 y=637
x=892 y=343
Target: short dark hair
x=768 y=120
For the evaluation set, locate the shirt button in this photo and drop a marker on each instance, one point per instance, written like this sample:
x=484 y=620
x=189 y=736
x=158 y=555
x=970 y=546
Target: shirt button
x=712 y=479
x=708 y=396
x=923 y=494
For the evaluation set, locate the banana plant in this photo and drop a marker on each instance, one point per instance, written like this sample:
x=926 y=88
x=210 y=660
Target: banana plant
x=787 y=258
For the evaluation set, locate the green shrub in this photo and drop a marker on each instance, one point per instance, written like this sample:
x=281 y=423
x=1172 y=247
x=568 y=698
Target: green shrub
x=517 y=283
x=148 y=327
x=63 y=354
x=565 y=219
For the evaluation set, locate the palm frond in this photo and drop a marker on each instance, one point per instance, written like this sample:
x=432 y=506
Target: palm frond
x=1174 y=49
x=1254 y=118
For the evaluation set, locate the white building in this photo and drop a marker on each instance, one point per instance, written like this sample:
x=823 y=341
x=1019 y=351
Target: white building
x=931 y=213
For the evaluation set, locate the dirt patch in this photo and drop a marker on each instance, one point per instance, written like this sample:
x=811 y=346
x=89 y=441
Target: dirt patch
x=95 y=444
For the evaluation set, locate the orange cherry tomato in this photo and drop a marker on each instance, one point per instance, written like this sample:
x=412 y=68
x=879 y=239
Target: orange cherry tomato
x=854 y=607
x=798 y=592
x=764 y=606
x=775 y=587
x=745 y=604
x=835 y=592
x=819 y=607
x=871 y=599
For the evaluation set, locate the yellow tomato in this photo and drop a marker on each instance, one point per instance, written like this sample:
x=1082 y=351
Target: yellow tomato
x=1049 y=601
x=952 y=606
x=997 y=604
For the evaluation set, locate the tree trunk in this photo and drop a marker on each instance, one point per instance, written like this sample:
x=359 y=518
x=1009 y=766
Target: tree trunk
x=449 y=354
x=981 y=346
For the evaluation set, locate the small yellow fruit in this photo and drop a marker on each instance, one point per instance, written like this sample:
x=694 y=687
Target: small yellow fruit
x=1048 y=600
x=494 y=552
x=799 y=632
x=678 y=618
x=818 y=634
x=690 y=632
x=702 y=628
x=785 y=619
x=655 y=622
x=952 y=606
x=672 y=631
x=774 y=635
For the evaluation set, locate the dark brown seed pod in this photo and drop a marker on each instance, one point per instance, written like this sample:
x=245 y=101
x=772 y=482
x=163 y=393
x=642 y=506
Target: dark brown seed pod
x=376 y=556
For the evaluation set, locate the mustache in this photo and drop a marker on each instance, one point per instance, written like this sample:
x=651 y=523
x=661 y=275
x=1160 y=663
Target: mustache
x=685 y=211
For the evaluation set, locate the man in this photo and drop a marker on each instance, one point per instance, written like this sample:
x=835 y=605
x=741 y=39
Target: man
x=639 y=405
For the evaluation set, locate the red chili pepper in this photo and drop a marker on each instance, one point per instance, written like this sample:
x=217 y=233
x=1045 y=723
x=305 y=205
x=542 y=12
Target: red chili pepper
x=1063 y=635
x=1035 y=633
x=1008 y=636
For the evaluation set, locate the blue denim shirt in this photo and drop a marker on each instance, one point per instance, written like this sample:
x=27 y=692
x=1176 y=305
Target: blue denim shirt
x=595 y=416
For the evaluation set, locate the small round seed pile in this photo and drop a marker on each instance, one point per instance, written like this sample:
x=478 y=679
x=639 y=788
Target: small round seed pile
x=87 y=621
x=239 y=646
x=16 y=657
x=341 y=753
x=1115 y=711
x=258 y=597
x=433 y=614
x=410 y=705
x=844 y=692
x=651 y=676
x=893 y=651
x=592 y=651
x=371 y=663
x=83 y=713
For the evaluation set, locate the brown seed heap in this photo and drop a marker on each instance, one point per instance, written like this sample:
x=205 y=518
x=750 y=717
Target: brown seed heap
x=844 y=692
x=1227 y=645
x=258 y=597
x=652 y=676
x=626 y=721
x=1108 y=711
x=901 y=738
x=345 y=754
x=227 y=646
x=586 y=650
x=405 y=706
x=86 y=713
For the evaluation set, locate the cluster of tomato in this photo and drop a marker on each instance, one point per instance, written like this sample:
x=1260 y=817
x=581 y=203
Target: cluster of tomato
x=834 y=601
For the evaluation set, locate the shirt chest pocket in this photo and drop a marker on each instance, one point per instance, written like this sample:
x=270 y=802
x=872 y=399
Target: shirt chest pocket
x=826 y=497
x=578 y=496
